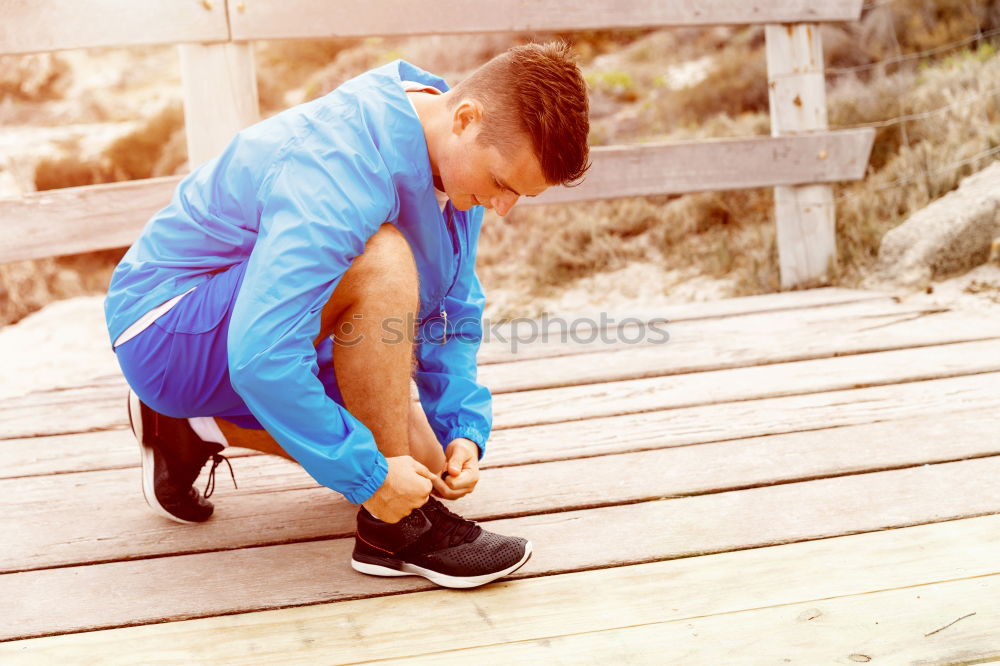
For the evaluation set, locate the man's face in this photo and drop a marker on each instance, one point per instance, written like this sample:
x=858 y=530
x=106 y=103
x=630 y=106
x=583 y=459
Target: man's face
x=477 y=175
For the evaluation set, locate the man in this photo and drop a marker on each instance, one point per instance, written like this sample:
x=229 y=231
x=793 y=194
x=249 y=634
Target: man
x=357 y=216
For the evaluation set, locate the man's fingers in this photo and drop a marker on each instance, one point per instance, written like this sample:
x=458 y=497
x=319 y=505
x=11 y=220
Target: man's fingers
x=458 y=461
x=467 y=479
x=440 y=486
x=422 y=470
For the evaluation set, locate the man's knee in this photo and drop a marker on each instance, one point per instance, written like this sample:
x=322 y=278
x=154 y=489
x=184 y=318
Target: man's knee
x=386 y=270
x=389 y=251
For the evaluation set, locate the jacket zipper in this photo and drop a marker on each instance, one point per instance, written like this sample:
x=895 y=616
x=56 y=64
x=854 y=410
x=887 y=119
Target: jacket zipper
x=453 y=231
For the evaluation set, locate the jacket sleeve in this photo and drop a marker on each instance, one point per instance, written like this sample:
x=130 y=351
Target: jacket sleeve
x=316 y=214
x=455 y=403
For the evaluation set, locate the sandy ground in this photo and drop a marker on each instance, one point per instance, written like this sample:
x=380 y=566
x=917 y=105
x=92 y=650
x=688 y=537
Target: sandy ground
x=66 y=344
x=63 y=344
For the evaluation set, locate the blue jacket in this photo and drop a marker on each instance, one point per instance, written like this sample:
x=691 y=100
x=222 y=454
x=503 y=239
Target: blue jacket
x=297 y=196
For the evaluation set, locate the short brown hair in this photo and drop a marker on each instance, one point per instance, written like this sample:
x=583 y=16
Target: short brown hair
x=535 y=90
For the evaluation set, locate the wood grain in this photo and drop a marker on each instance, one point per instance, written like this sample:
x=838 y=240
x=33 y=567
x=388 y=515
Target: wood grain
x=890 y=626
x=77 y=452
x=819 y=575
x=719 y=164
x=732 y=343
x=100 y=516
x=697 y=349
x=50 y=25
x=675 y=427
x=551 y=336
x=69 y=599
x=774 y=302
x=293 y=19
x=577 y=403
x=768 y=416
x=80 y=219
x=220 y=96
x=804 y=215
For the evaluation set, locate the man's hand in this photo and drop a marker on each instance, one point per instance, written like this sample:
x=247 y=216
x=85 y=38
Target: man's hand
x=406 y=487
x=461 y=469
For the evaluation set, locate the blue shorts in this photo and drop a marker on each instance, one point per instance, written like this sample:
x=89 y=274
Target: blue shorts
x=179 y=365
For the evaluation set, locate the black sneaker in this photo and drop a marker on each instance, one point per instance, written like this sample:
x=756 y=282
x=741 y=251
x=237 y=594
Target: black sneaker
x=437 y=544
x=172 y=457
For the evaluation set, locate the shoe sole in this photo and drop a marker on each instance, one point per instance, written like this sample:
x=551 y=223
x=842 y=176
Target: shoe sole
x=444 y=580
x=146 y=454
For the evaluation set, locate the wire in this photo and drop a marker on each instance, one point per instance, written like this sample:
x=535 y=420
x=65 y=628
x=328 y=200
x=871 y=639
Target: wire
x=948 y=167
x=837 y=71
x=924 y=114
x=906 y=180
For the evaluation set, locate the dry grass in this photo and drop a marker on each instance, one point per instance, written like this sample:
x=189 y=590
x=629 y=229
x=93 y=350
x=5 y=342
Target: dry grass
x=920 y=160
x=731 y=234
x=286 y=65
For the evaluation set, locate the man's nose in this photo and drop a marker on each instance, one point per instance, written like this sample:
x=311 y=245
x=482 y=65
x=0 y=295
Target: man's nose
x=502 y=203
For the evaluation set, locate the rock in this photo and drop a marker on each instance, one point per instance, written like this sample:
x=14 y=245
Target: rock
x=951 y=235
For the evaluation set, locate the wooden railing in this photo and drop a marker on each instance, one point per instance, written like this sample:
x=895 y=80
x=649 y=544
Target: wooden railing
x=220 y=98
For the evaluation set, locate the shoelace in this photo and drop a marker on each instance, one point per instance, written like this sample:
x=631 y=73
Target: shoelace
x=217 y=459
x=451 y=528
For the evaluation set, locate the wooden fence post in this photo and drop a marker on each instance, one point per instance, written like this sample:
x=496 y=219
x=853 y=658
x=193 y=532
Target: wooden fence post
x=807 y=249
x=220 y=95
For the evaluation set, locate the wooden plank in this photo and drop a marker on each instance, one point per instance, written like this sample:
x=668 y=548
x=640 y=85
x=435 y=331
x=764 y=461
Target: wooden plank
x=718 y=164
x=49 y=25
x=70 y=410
x=728 y=307
x=818 y=574
x=723 y=421
x=94 y=217
x=640 y=351
x=80 y=219
x=100 y=516
x=81 y=410
x=694 y=349
x=807 y=244
x=799 y=305
x=220 y=96
x=651 y=430
x=294 y=19
x=577 y=403
x=78 y=452
x=550 y=336
x=695 y=346
x=67 y=599
x=78 y=409
x=891 y=626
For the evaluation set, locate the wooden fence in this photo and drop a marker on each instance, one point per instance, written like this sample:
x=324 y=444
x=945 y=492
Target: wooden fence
x=220 y=97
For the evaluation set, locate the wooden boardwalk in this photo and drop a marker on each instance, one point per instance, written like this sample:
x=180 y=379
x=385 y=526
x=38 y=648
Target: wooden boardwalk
x=805 y=478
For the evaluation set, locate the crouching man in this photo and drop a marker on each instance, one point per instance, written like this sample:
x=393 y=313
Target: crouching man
x=295 y=284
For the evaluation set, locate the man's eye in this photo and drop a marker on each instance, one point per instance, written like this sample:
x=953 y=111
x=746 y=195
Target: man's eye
x=497 y=184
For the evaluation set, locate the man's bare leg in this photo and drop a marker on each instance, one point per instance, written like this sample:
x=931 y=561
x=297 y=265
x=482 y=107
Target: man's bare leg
x=373 y=373
x=423 y=443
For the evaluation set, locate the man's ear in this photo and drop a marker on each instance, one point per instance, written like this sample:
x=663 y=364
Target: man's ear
x=467 y=113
